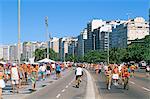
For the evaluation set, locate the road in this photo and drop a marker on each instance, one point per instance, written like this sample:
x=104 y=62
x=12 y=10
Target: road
x=139 y=88
x=62 y=89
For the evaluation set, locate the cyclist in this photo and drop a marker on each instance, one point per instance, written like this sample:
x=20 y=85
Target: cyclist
x=108 y=78
x=78 y=73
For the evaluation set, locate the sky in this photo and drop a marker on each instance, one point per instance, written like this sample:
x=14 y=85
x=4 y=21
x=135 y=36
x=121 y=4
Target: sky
x=65 y=17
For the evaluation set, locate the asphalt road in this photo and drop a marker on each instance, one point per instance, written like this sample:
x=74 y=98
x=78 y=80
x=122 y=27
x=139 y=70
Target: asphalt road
x=62 y=89
x=139 y=88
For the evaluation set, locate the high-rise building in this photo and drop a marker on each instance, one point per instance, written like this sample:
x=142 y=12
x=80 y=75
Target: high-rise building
x=13 y=51
x=6 y=52
x=64 y=47
x=90 y=27
x=1 y=51
x=72 y=47
x=129 y=31
x=81 y=42
x=98 y=36
x=54 y=44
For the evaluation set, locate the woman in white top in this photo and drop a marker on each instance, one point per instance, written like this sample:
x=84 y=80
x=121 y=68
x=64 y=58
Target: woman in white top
x=15 y=77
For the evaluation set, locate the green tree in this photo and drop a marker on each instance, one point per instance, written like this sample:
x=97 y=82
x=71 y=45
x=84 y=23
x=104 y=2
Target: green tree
x=42 y=53
x=95 y=56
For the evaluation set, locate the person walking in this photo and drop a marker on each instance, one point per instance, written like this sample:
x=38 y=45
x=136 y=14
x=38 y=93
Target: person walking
x=48 y=70
x=15 y=77
x=58 y=71
x=33 y=76
x=2 y=83
x=108 y=78
x=147 y=71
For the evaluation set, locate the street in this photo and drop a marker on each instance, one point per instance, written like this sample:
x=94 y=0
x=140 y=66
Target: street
x=138 y=88
x=62 y=89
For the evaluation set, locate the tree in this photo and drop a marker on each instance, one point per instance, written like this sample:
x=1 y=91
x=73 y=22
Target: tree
x=41 y=54
x=95 y=56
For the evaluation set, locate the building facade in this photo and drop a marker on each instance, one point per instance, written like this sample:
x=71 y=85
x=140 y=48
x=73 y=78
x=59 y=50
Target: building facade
x=54 y=44
x=81 y=43
x=6 y=52
x=13 y=51
x=129 y=31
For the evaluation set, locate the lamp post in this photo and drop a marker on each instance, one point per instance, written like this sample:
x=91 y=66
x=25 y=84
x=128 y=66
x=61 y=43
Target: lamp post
x=18 y=32
x=82 y=47
x=108 y=50
x=47 y=35
x=73 y=52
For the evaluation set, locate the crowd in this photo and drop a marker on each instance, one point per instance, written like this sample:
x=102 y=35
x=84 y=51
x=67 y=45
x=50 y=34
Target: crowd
x=115 y=73
x=23 y=74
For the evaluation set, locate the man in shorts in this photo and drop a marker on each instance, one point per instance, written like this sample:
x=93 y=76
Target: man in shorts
x=14 y=77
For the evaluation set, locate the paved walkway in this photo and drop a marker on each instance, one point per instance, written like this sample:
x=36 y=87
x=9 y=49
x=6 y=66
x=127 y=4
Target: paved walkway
x=26 y=89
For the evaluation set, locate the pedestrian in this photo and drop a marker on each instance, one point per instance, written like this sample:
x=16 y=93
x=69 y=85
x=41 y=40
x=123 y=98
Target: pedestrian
x=21 y=75
x=48 y=70
x=132 y=68
x=115 y=75
x=96 y=68
x=126 y=76
x=108 y=78
x=100 y=68
x=147 y=71
x=15 y=77
x=2 y=83
x=37 y=68
x=42 y=70
x=58 y=71
x=25 y=69
x=53 y=67
x=78 y=74
x=33 y=76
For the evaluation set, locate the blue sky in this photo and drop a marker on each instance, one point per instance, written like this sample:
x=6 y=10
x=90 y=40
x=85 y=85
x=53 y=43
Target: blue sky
x=66 y=17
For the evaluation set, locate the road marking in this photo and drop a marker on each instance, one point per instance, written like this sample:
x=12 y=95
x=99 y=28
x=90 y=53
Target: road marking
x=63 y=90
x=66 y=86
x=69 y=83
x=132 y=82
x=58 y=96
x=146 y=89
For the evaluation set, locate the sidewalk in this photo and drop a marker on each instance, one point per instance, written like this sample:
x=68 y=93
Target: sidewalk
x=26 y=89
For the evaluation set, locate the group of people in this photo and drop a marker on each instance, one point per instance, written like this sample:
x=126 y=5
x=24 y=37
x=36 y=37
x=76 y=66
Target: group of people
x=20 y=75
x=115 y=73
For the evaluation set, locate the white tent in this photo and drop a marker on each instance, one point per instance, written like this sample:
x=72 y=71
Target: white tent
x=46 y=60
x=2 y=62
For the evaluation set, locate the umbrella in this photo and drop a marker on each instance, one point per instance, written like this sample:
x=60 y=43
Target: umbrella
x=46 y=60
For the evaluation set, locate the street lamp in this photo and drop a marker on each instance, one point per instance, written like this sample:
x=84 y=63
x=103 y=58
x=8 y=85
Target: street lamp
x=73 y=52
x=82 y=47
x=18 y=32
x=108 y=50
x=47 y=35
